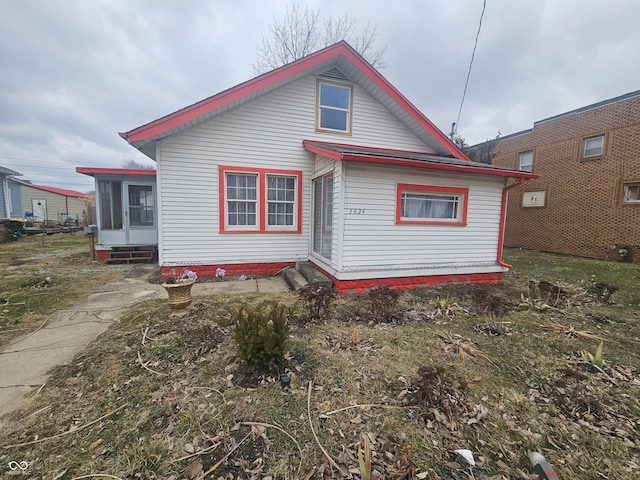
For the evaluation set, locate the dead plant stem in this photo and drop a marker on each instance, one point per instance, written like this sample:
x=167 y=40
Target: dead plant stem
x=67 y=432
x=223 y=459
x=313 y=431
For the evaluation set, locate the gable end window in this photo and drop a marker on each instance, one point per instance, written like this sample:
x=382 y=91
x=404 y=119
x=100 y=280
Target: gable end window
x=593 y=147
x=334 y=106
x=631 y=193
x=525 y=161
x=431 y=205
x=259 y=200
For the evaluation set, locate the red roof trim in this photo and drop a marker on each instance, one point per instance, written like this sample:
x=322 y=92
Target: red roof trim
x=57 y=191
x=115 y=171
x=431 y=165
x=182 y=116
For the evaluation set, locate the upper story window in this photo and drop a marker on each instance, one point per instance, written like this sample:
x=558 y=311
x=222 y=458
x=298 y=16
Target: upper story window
x=525 y=161
x=593 y=146
x=428 y=204
x=259 y=201
x=334 y=107
x=631 y=192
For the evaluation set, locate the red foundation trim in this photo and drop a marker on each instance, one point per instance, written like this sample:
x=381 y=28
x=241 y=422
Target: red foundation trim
x=230 y=270
x=403 y=283
x=103 y=254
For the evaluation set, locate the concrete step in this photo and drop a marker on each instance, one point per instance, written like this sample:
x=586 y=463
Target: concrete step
x=312 y=274
x=294 y=279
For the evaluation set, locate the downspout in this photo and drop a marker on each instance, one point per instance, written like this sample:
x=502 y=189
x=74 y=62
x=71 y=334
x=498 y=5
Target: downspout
x=503 y=219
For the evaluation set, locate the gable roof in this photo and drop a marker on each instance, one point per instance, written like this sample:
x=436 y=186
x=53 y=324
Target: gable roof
x=58 y=191
x=8 y=171
x=340 y=55
x=383 y=156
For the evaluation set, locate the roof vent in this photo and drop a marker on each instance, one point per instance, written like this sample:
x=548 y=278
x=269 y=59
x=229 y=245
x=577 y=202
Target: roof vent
x=334 y=74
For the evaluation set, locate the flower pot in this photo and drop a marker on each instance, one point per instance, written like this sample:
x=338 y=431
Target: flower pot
x=179 y=294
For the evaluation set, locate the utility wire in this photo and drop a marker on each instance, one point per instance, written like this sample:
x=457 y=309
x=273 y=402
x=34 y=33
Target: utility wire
x=466 y=83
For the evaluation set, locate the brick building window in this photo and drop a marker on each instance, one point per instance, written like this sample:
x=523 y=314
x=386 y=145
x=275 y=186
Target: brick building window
x=631 y=193
x=593 y=146
x=525 y=161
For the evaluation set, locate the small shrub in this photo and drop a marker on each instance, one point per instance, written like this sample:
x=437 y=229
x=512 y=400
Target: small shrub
x=260 y=335
x=383 y=304
x=318 y=300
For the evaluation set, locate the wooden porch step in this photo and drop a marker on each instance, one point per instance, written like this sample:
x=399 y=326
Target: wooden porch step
x=132 y=254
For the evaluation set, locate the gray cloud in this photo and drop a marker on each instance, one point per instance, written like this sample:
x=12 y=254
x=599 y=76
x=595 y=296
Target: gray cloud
x=76 y=72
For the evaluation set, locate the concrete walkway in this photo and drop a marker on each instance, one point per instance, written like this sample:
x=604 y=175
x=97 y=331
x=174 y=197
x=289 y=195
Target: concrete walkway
x=25 y=363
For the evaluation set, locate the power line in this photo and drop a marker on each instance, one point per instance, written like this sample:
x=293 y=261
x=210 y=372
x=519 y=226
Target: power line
x=466 y=83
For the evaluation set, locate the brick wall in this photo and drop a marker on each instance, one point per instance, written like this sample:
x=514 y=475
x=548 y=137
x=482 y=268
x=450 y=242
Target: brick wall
x=583 y=213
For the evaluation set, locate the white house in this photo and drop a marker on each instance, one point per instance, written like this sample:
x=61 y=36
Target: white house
x=126 y=216
x=323 y=160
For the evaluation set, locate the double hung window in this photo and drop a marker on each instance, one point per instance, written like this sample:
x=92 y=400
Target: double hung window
x=631 y=193
x=525 y=161
x=259 y=201
x=334 y=107
x=593 y=146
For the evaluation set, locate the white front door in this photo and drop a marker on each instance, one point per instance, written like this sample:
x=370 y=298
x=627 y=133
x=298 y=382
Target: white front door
x=39 y=209
x=140 y=214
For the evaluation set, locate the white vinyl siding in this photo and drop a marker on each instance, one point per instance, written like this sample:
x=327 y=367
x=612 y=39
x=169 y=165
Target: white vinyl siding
x=373 y=241
x=187 y=166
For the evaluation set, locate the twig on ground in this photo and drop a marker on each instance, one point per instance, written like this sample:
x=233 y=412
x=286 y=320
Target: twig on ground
x=144 y=365
x=67 y=432
x=223 y=459
x=366 y=405
x=199 y=452
x=313 y=431
x=92 y=475
x=269 y=425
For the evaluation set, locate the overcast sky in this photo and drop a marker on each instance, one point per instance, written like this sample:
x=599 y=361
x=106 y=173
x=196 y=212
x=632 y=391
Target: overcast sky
x=76 y=72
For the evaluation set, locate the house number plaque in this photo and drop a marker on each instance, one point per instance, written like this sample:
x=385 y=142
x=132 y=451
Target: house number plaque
x=355 y=211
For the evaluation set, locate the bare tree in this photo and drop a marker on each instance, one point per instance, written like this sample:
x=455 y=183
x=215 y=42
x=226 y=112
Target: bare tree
x=135 y=165
x=301 y=32
x=483 y=152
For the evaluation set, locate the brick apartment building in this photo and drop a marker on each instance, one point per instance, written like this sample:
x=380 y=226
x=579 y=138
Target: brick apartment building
x=586 y=201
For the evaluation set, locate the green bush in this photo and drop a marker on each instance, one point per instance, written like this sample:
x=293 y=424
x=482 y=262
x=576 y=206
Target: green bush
x=260 y=335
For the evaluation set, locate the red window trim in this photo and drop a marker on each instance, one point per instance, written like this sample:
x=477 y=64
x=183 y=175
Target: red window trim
x=408 y=187
x=262 y=173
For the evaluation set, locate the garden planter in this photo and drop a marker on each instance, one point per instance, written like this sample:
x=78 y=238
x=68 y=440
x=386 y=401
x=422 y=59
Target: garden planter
x=179 y=294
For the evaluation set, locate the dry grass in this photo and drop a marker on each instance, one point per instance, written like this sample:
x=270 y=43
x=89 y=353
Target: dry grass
x=172 y=401
x=42 y=274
